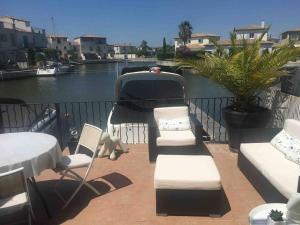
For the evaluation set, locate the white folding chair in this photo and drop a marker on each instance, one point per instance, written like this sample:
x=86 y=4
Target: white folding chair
x=14 y=195
x=90 y=138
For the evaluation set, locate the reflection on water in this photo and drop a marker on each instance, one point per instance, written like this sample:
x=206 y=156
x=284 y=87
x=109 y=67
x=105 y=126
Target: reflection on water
x=90 y=83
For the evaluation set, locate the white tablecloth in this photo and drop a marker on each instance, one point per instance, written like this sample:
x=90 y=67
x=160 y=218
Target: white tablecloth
x=33 y=151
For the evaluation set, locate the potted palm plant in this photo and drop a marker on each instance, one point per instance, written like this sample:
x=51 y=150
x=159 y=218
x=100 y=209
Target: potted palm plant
x=245 y=70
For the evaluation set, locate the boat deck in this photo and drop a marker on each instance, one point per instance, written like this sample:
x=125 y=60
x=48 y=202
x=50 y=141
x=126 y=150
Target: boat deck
x=128 y=196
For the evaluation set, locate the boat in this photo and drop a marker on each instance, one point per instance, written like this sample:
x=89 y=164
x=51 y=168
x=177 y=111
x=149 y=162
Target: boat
x=47 y=71
x=137 y=93
x=27 y=117
x=53 y=69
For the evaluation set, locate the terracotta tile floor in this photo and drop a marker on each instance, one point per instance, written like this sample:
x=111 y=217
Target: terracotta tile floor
x=128 y=197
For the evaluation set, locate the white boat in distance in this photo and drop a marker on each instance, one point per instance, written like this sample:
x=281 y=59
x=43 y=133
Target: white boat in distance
x=53 y=69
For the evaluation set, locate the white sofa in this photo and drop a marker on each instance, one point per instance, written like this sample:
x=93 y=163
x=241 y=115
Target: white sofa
x=272 y=164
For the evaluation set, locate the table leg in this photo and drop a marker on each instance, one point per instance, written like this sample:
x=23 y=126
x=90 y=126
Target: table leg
x=35 y=187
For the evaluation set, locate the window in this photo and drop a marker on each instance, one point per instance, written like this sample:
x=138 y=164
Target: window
x=200 y=40
x=251 y=35
x=58 y=41
x=3 y=38
x=25 y=42
x=65 y=47
x=27 y=23
x=12 y=39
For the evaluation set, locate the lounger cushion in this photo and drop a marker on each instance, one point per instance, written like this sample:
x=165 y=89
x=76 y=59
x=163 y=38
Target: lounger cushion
x=186 y=172
x=181 y=123
x=176 y=138
x=170 y=113
x=281 y=173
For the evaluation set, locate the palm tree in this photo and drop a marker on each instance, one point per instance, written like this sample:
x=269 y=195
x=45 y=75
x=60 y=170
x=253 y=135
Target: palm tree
x=185 y=31
x=244 y=70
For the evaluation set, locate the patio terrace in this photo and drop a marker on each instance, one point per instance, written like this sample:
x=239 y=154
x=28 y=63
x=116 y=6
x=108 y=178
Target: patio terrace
x=128 y=196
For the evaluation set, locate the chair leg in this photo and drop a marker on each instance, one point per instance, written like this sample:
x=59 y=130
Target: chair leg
x=29 y=214
x=91 y=187
x=79 y=178
x=73 y=195
x=60 y=179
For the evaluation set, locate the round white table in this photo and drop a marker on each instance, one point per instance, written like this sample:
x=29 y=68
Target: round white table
x=34 y=152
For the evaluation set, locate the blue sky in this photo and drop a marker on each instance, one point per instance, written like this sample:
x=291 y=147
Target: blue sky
x=130 y=21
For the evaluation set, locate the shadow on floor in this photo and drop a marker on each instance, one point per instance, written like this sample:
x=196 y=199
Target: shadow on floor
x=104 y=185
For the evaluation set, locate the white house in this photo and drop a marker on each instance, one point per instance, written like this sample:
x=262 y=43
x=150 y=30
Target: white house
x=293 y=35
x=251 y=32
x=198 y=41
x=92 y=46
x=123 y=51
x=60 y=43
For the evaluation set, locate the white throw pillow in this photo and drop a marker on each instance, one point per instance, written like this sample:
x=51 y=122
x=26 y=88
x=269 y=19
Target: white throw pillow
x=293 y=152
x=182 y=123
x=282 y=141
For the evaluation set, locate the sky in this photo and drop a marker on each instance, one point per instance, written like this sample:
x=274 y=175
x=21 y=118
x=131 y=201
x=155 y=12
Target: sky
x=131 y=21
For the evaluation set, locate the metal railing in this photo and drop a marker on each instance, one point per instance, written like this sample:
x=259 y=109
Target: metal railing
x=61 y=118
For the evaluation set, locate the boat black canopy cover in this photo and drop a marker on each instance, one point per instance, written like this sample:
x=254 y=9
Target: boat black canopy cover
x=138 y=93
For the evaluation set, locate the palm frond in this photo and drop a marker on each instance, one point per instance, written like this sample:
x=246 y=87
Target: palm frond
x=244 y=71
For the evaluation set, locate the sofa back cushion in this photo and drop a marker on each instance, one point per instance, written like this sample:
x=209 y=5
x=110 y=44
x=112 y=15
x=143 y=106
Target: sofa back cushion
x=292 y=127
x=293 y=152
x=282 y=141
x=170 y=113
x=288 y=140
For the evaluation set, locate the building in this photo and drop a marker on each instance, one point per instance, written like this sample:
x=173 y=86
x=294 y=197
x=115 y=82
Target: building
x=16 y=37
x=39 y=37
x=123 y=51
x=226 y=44
x=293 y=35
x=60 y=43
x=252 y=32
x=198 y=41
x=92 y=46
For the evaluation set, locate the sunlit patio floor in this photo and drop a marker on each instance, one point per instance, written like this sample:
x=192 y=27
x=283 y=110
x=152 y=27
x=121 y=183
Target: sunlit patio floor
x=128 y=196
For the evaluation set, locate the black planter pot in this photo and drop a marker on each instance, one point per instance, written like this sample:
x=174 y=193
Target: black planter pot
x=237 y=123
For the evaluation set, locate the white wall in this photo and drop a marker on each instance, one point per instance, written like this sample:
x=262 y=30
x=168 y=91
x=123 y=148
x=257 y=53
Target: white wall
x=246 y=35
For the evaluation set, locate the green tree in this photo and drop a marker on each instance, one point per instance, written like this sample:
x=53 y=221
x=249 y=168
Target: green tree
x=164 y=48
x=40 y=57
x=51 y=54
x=244 y=70
x=31 y=56
x=144 y=48
x=185 y=31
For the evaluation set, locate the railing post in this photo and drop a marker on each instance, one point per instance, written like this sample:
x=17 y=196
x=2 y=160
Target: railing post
x=59 y=125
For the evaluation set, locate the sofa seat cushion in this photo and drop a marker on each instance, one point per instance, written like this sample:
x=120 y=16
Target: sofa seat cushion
x=186 y=172
x=281 y=173
x=176 y=138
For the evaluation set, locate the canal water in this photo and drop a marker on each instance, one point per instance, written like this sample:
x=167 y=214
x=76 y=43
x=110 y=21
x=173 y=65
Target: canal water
x=93 y=82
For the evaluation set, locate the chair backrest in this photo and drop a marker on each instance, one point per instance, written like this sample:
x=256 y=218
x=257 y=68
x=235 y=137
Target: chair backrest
x=13 y=183
x=292 y=127
x=169 y=113
x=90 y=137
